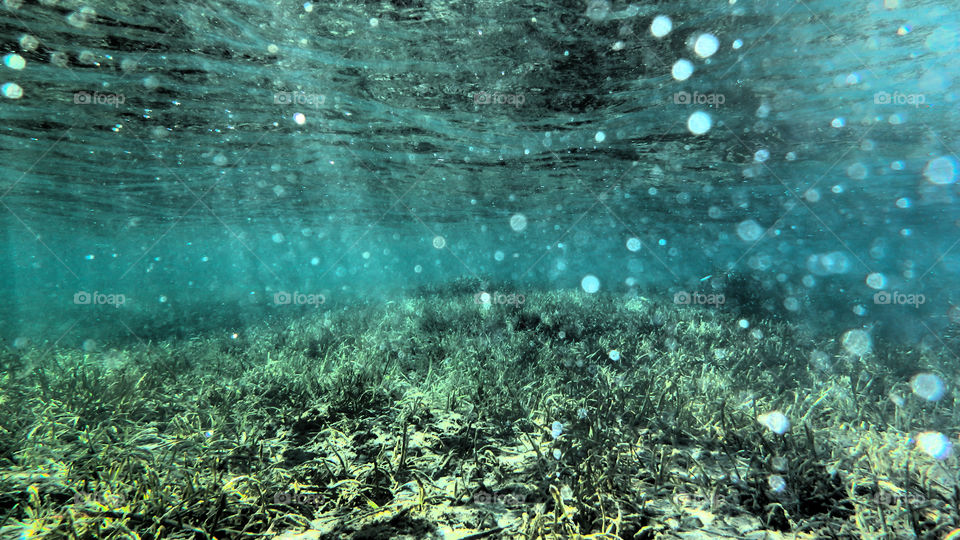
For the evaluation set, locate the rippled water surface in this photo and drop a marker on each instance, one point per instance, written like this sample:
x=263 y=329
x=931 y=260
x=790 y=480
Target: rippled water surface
x=200 y=158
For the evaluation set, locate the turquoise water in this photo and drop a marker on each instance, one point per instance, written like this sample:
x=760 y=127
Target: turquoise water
x=175 y=167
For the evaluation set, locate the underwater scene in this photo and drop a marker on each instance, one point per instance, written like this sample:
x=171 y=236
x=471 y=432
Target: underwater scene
x=439 y=269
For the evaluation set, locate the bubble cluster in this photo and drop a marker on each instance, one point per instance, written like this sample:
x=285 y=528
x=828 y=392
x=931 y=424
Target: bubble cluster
x=934 y=444
x=14 y=61
x=682 y=69
x=941 y=170
x=775 y=421
x=857 y=342
x=29 y=43
x=661 y=26
x=556 y=430
x=11 y=90
x=820 y=360
x=749 y=230
x=876 y=281
x=777 y=483
x=590 y=283
x=518 y=222
x=59 y=59
x=824 y=264
x=82 y=17
x=857 y=171
x=699 y=123
x=597 y=10
x=928 y=386
x=706 y=45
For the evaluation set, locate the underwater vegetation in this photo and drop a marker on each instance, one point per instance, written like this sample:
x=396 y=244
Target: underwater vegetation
x=458 y=415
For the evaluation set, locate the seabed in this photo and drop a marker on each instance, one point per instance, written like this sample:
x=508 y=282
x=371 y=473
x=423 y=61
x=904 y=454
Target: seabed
x=440 y=416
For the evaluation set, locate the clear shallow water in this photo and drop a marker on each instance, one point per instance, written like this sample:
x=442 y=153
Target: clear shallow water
x=156 y=153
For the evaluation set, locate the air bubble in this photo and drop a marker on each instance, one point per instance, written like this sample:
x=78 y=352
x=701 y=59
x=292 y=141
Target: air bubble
x=661 y=26
x=706 y=45
x=699 y=123
x=590 y=283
